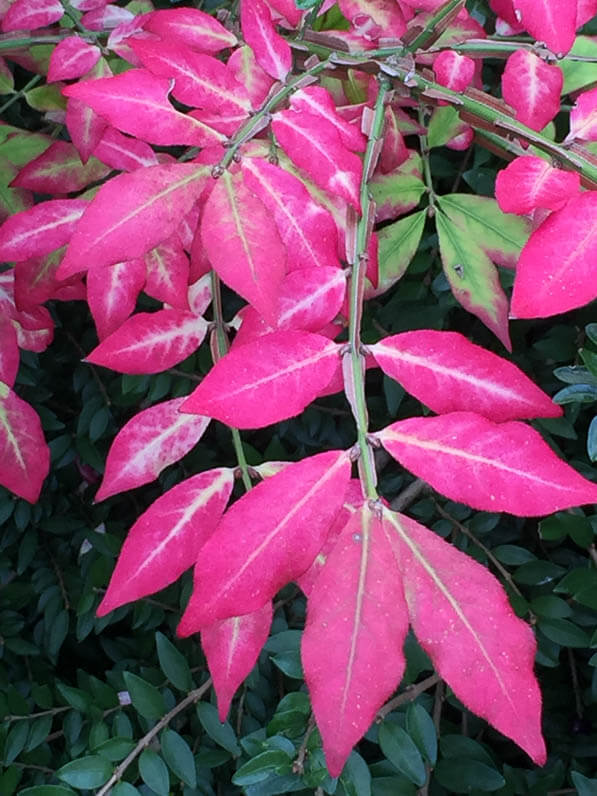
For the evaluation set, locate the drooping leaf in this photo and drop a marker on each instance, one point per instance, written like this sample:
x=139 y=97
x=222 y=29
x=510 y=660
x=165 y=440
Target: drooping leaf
x=59 y=170
x=267 y=380
x=242 y=244
x=448 y=373
x=551 y=21
x=153 y=439
x=352 y=644
x=86 y=127
x=463 y=620
x=231 y=648
x=272 y=52
x=112 y=292
x=71 y=58
x=192 y=27
x=556 y=269
x=583 y=117
x=167 y=537
x=532 y=88
x=24 y=454
x=529 y=182
x=489 y=466
x=32 y=14
x=41 y=229
x=132 y=213
x=266 y=539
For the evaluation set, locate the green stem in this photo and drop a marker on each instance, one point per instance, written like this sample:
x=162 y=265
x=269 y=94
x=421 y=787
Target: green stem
x=221 y=349
x=495 y=47
x=33 y=82
x=356 y=387
x=430 y=30
x=29 y=41
x=426 y=165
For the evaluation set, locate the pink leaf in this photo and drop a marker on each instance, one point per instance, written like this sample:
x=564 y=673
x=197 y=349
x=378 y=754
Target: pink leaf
x=167 y=537
x=43 y=228
x=583 y=117
x=306 y=228
x=504 y=9
x=550 y=21
x=267 y=380
x=112 y=292
x=192 y=27
x=199 y=294
x=71 y=58
x=318 y=101
x=153 y=439
x=463 y=620
x=24 y=455
x=585 y=11
x=272 y=52
x=32 y=14
x=556 y=269
x=242 y=244
x=168 y=274
x=377 y=18
x=532 y=88
x=106 y=18
x=231 y=648
x=85 y=127
x=489 y=466
x=266 y=539
x=448 y=373
x=132 y=213
x=150 y=342
x=530 y=182
x=352 y=645
x=35 y=329
x=393 y=152
x=315 y=147
x=59 y=170
x=453 y=70
x=136 y=102
x=35 y=282
x=125 y=154
x=246 y=71
x=9 y=351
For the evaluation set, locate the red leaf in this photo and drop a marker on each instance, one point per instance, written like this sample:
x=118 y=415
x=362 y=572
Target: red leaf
x=112 y=292
x=32 y=14
x=132 y=213
x=9 y=350
x=272 y=52
x=245 y=69
x=530 y=182
x=85 y=127
x=71 y=58
x=242 y=244
x=319 y=102
x=266 y=539
x=380 y=18
x=110 y=16
x=35 y=282
x=149 y=442
x=167 y=537
x=192 y=27
x=352 y=645
x=393 y=152
x=59 y=170
x=24 y=455
x=489 y=466
x=453 y=70
x=168 y=274
x=583 y=117
x=231 y=647
x=532 y=88
x=125 y=154
x=40 y=230
x=464 y=622
x=315 y=147
x=35 y=329
x=448 y=373
x=150 y=342
x=556 y=269
x=136 y=102
x=551 y=21
x=267 y=380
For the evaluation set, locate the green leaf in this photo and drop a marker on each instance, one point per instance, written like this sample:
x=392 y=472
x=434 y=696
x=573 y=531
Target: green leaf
x=46 y=98
x=563 y=632
x=260 y=767
x=86 y=772
x=355 y=777
x=154 y=772
x=443 y=125
x=576 y=394
x=221 y=733
x=459 y=775
x=579 y=73
x=398 y=244
x=179 y=757
x=15 y=741
x=574 y=374
x=40 y=729
x=115 y=749
x=398 y=191
x=75 y=697
x=592 y=440
x=584 y=786
x=551 y=607
x=173 y=663
x=512 y=555
x=399 y=748
x=537 y=573
x=421 y=729
x=124 y=789
x=47 y=790
x=145 y=697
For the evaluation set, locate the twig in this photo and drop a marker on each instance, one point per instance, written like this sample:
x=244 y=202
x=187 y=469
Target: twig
x=575 y=685
x=406 y=497
x=191 y=698
x=184 y=374
x=299 y=764
x=94 y=372
x=51 y=712
x=593 y=554
x=410 y=693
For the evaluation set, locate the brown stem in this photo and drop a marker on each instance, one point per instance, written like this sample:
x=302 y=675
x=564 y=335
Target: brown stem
x=410 y=693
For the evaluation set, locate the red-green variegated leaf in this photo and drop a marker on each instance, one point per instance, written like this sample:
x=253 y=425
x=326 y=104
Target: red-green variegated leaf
x=35 y=282
x=9 y=350
x=112 y=292
x=267 y=380
x=272 y=52
x=583 y=117
x=150 y=342
x=242 y=244
x=168 y=274
x=463 y=620
x=231 y=648
x=448 y=373
x=123 y=153
x=153 y=439
x=314 y=145
x=167 y=537
x=31 y=14
x=132 y=213
x=378 y=18
x=556 y=270
x=550 y=21
x=35 y=329
x=24 y=455
x=398 y=191
x=532 y=88
x=71 y=58
x=352 y=645
x=489 y=466
x=41 y=229
x=266 y=539
x=394 y=152
x=136 y=102
x=319 y=102
x=59 y=170
x=530 y=182
x=246 y=71
x=192 y=27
